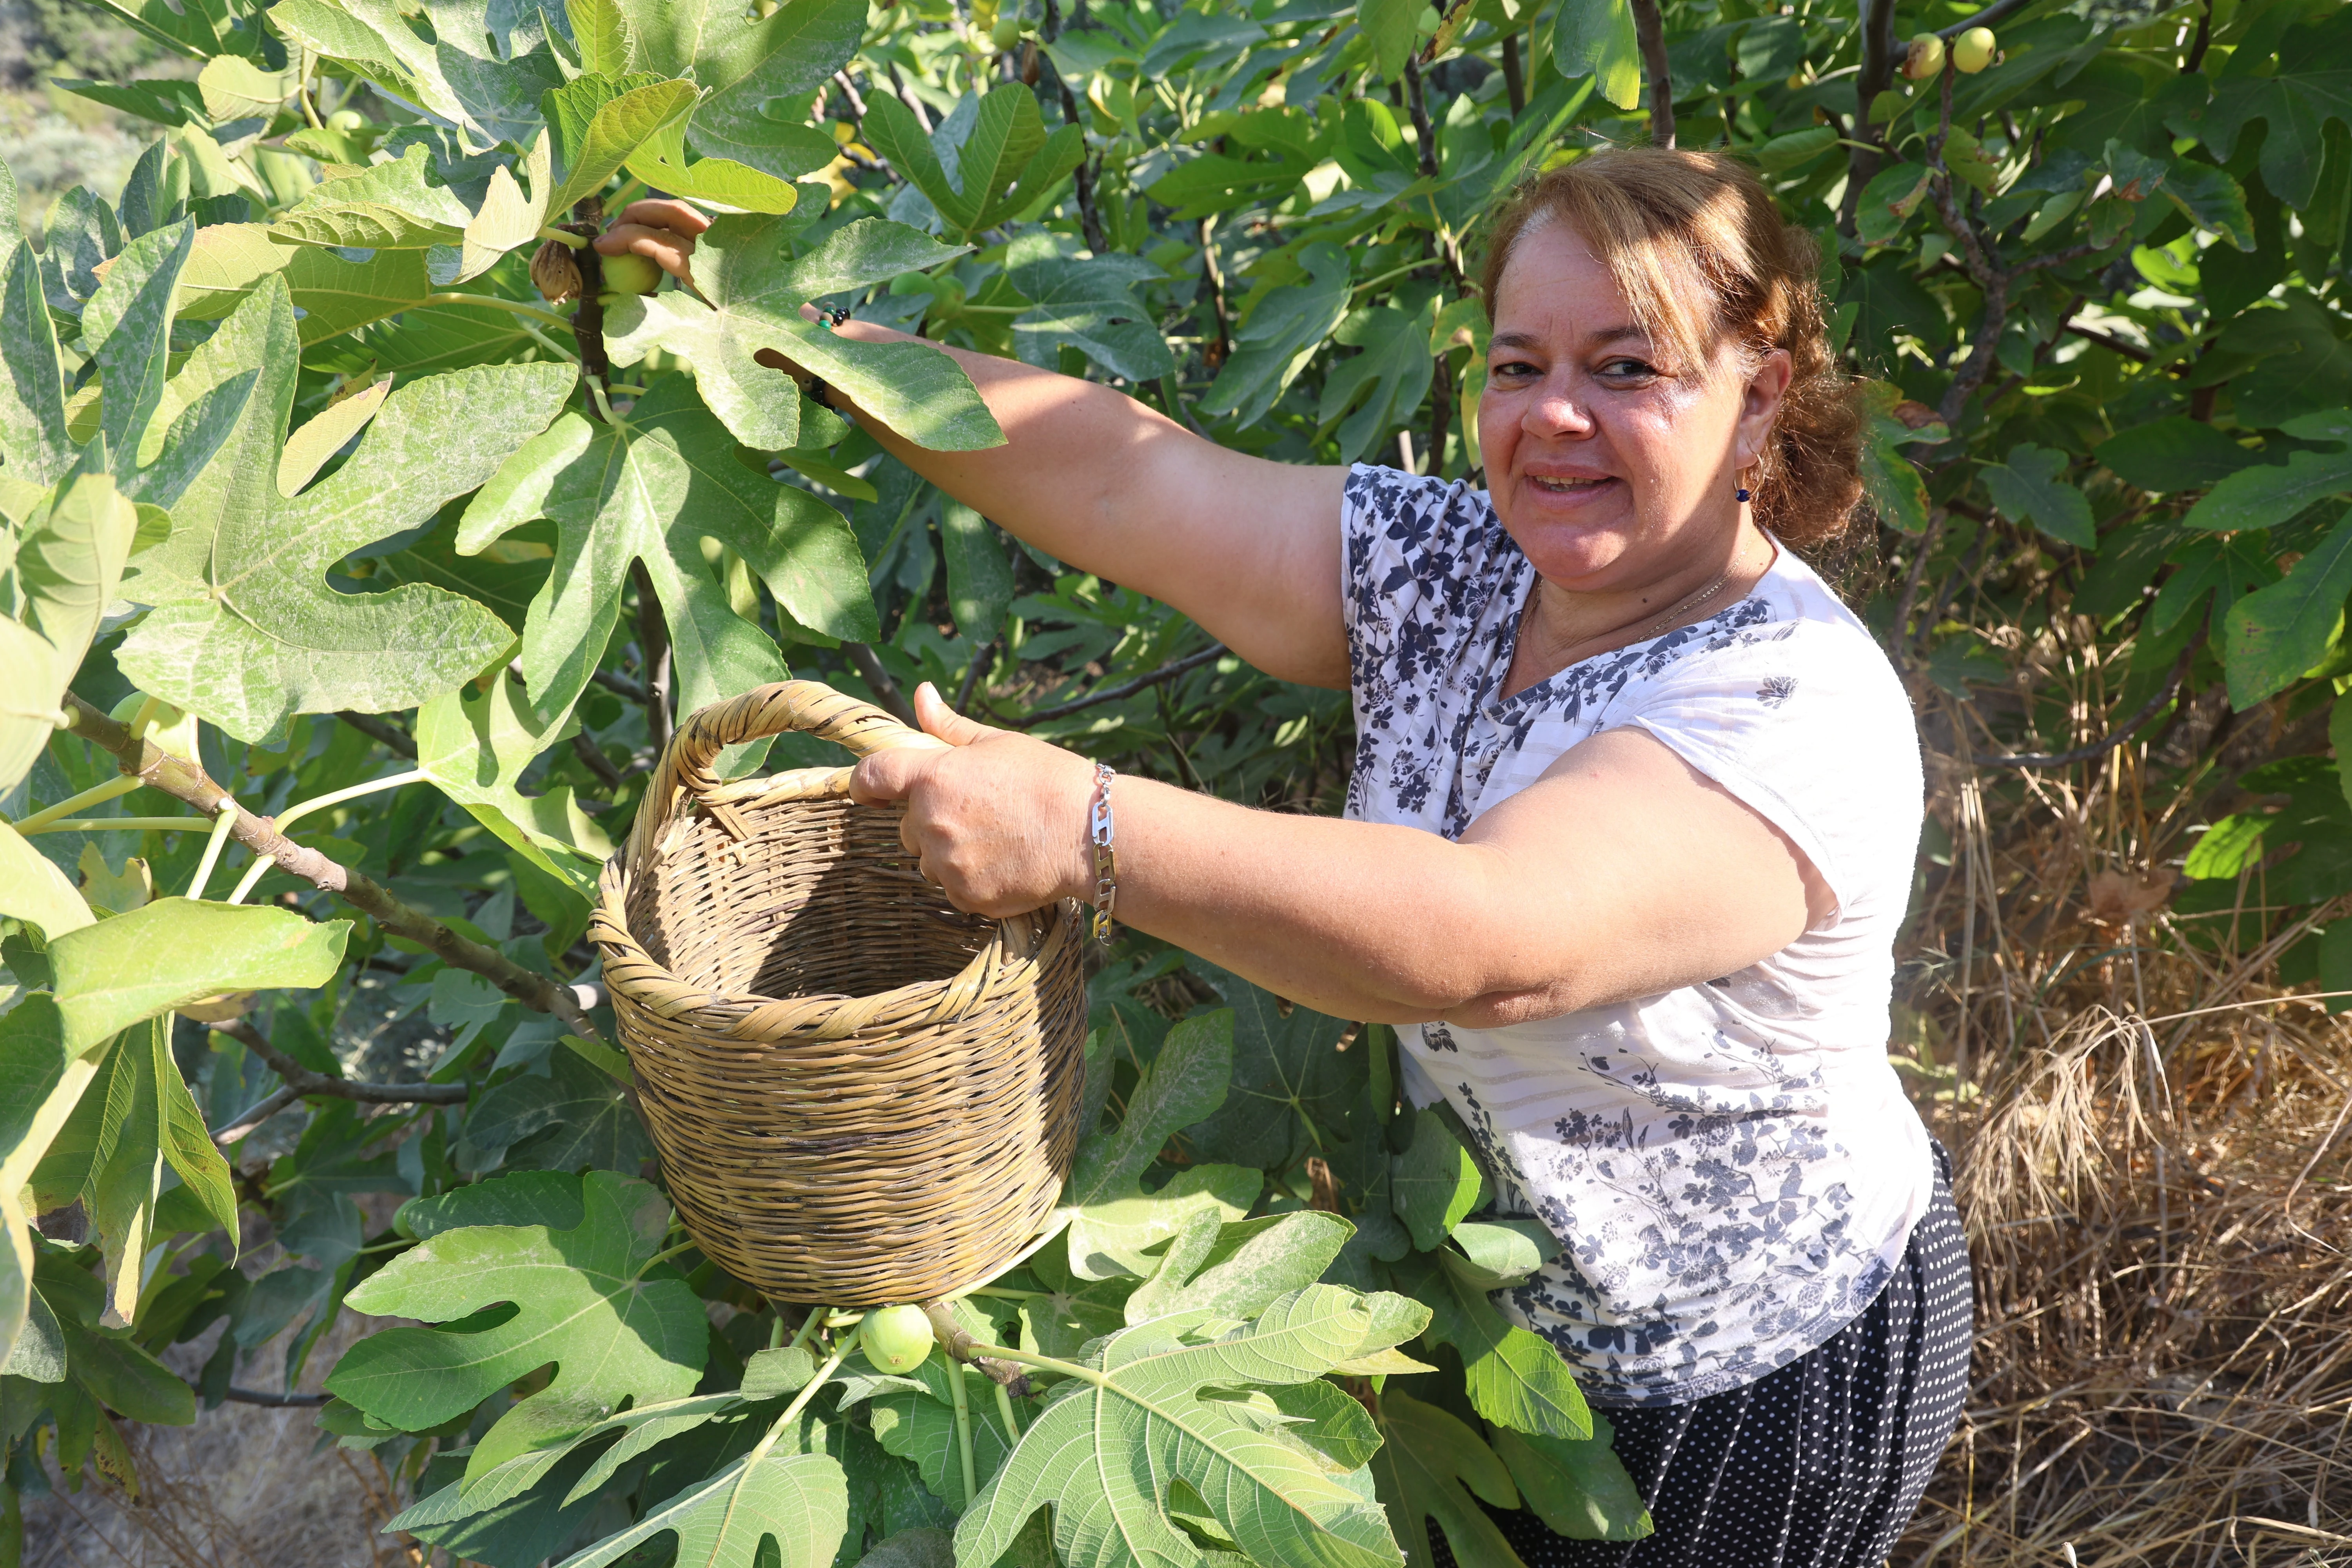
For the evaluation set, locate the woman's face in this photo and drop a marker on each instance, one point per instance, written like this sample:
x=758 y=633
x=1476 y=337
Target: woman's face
x=1608 y=462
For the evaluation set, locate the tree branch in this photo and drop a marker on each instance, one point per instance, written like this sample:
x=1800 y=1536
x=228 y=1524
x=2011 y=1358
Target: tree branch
x=653 y=647
x=2114 y=738
x=302 y=1080
x=1987 y=17
x=598 y=763
x=887 y=695
x=236 y=1396
x=2105 y=341
x=1125 y=688
x=186 y=782
x=237 y=1127
x=389 y=735
x=1514 y=77
x=1423 y=133
x=1876 y=75
x=1651 y=30
x=588 y=318
x=619 y=685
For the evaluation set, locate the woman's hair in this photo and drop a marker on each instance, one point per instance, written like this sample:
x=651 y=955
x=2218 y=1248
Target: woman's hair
x=1702 y=256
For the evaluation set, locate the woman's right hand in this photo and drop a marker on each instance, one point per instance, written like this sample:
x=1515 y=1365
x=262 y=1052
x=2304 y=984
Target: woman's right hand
x=1248 y=548
x=661 y=230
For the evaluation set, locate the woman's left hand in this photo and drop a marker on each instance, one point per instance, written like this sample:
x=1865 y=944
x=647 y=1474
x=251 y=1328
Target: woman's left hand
x=998 y=821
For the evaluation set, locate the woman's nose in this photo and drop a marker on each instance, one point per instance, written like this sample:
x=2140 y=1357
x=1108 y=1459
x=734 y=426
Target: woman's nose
x=1556 y=410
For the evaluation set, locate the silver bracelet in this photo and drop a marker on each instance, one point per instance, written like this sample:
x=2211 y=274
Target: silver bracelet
x=1106 y=859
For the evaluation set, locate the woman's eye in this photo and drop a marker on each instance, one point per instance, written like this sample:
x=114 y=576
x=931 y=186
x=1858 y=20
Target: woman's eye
x=1628 y=370
x=1511 y=370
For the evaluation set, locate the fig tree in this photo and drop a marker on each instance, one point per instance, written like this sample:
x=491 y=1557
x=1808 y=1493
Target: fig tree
x=632 y=274
x=897 y=1339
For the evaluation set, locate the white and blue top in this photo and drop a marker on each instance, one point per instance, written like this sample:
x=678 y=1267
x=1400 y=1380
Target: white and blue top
x=1731 y=1168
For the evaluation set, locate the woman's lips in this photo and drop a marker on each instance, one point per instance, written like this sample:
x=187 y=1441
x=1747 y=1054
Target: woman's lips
x=1568 y=485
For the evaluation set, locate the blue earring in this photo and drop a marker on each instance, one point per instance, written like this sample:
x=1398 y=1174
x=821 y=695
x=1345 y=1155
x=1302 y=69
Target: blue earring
x=1742 y=493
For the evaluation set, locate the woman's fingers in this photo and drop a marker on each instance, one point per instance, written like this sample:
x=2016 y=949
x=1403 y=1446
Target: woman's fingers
x=667 y=247
x=932 y=711
x=890 y=775
x=663 y=212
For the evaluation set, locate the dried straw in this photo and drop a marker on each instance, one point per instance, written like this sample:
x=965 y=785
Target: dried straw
x=2151 y=1135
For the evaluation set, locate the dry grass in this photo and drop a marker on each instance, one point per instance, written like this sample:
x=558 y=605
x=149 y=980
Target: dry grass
x=245 y=1486
x=2152 y=1139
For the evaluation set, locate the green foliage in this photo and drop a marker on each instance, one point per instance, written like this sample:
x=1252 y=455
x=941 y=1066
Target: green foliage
x=286 y=432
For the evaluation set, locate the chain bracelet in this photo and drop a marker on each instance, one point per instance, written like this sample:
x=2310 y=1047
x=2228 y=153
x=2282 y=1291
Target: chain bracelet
x=1105 y=860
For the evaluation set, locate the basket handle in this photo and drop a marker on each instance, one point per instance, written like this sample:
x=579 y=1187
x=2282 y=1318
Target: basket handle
x=810 y=706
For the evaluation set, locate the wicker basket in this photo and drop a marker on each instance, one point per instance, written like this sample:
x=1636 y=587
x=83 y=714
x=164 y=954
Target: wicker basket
x=860 y=1094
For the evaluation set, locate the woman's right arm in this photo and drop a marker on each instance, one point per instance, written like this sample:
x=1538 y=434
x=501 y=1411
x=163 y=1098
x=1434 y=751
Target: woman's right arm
x=1247 y=548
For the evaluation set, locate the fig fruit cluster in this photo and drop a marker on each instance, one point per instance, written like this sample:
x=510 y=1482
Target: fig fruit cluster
x=1970 y=53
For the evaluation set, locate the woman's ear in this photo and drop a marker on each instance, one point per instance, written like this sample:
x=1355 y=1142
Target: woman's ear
x=1760 y=406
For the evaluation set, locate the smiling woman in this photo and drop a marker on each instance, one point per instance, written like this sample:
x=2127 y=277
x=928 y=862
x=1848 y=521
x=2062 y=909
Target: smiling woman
x=1630 y=828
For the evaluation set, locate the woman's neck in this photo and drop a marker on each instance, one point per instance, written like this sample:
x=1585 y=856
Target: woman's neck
x=1562 y=627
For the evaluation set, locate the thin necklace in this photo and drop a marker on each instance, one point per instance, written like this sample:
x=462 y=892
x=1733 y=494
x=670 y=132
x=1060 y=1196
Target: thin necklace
x=1693 y=602
x=1671 y=616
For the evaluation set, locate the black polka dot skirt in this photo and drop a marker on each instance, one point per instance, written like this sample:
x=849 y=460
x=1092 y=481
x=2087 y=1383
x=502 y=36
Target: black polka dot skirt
x=1819 y=1464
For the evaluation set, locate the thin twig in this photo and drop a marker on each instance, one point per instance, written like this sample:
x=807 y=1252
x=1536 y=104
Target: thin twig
x=233 y=1129
x=654 y=654
x=276 y=1401
x=2106 y=340
x=1650 y=29
x=389 y=735
x=1984 y=18
x=619 y=685
x=186 y=782
x=973 y=672
x=302 y=1080
x=598 y=763
x=2114 y=738
x=887 y=695
x=1124 y=689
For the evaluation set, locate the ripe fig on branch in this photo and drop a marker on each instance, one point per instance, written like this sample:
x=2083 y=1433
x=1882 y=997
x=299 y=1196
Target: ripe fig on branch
x=1973 y=51
x=897 y=1339
x=632 y=274
x=1926 y=57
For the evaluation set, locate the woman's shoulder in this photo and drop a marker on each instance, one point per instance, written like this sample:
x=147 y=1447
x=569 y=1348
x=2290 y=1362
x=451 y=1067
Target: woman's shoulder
x=1420 y=548
x=1790 y=677
x=1794 y=625
x=1406 y=510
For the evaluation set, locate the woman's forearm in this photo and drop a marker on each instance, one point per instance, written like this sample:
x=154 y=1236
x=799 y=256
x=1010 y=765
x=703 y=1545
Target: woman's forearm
x=1358 y=919
x=1247 y=548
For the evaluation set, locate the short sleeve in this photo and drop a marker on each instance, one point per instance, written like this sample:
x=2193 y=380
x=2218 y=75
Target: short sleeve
x=1422 y=558
x=1808 y=725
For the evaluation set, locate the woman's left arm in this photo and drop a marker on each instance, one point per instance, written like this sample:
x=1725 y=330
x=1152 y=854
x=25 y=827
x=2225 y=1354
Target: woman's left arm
x=1623 y=872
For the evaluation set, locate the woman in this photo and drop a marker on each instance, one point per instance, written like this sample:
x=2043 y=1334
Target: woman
x=1629 y=831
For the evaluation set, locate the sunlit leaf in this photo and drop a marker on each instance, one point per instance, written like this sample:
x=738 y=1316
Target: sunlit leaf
x=754 y=289
x=1105 y=1447
x=258 y=634
x=584 y=1300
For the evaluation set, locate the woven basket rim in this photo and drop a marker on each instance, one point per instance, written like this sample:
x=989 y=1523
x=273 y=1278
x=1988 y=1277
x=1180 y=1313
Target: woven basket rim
x=1017 y=943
